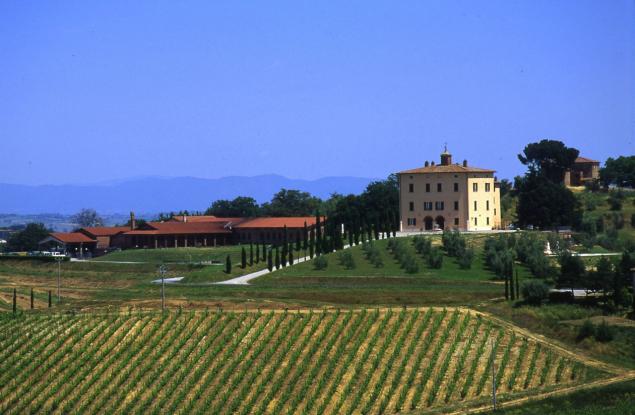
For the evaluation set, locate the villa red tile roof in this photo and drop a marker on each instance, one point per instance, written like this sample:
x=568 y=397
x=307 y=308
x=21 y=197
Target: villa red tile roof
x=452 y=168
x=72 y=237
x=205 y=218
x=585 y=160
x=277 y=222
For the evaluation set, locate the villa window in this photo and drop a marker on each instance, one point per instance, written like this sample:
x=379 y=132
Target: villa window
x=475 y=221
x=487 y=205
x=438 y=205
x=487 y=219
x=475 y=187
x=475 y=206
x=411 y=206
x=427 y=205
x=412 y=221
x=456 y=205
x=487 y=187
x=411 y=187
x=456 y=187
x=456 y=221
x=439 y=187
x=427 y=187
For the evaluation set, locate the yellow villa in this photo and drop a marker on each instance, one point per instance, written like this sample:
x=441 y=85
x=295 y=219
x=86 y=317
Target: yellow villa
x=448 y=196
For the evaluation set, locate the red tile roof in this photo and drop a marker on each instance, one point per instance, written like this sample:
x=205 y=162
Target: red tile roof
x=72 y=237
x=104 y=230
x=585 y=160
x=277 y=222
x=452 y=168
x=180 y=228
x=205 y=218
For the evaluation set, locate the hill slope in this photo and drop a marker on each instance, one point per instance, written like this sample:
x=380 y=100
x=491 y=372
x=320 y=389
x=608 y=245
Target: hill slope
x=162 y=194
x=369 y=361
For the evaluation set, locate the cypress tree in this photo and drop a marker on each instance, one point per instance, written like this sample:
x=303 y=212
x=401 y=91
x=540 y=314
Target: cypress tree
x=277 y=258
x=298 y=245
x=243 y=258
x=318 y=234
x=285 y=254
x=376 y=226
x=228 y=265
x=270 y=261
x=257 y=253
x=31 y=298
x=290 y=256
x=506 y=287
x=511 y=287
x=311 y=249
x=264 y=251
x=305 y=237
x=312 y=243
x=15 y=302
x=517 y=286
x=50 y=302
x=251 y=254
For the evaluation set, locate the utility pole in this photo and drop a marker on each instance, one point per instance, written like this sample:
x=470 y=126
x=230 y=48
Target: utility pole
x=162 y=271
x=493 y=374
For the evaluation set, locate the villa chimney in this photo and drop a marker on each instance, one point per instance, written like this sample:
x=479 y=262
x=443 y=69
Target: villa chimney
x=184 y=219
x=427 y=163
x=133 y=222
x=432 y=163
x=464 y=163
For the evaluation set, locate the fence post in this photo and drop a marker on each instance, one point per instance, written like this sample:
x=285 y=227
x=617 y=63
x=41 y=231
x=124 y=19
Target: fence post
x=49 y=298
x=31 y=298
x=15 y=305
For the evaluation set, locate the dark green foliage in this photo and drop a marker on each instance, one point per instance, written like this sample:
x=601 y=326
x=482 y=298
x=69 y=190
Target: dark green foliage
x=243 y=258
x=549 y=159
x=604 y=332
x=506 y=287
x=546 y=204
x=572 y=271
x=320 y=263
x=617 y=220
x=257 y=253
x=251 y=254
x=534 y=292
x=15 y=301
x=465 y=258
x=633 y=220
x=28 y=238
x=31 y=298
x=619 y=171
x=291 y=203
x=587 y=329
x=530 y=251
x=270 y=261
x=264 y=251
x=305 y=237
x=346 y=259
x=290 y=256
x=277 y=263
x=298 y=244
x=311 y=254
x=50 y=299
x=422 y=245
x=435 y=258
x=615 y=200
x=453 y=242
x=228 y=265
x=241 y=207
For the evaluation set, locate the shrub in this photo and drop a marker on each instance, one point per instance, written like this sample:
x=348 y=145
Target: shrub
x=346 y=259
x=453 y=242
x=633 y=220
x=587 y=329
x=422 y=245
x=409 y=264
x=534 y=292
x=615 y=200
x=320 y=263
x=465 y=258
x=617 y=220
x=435 y=258
x=603 y=332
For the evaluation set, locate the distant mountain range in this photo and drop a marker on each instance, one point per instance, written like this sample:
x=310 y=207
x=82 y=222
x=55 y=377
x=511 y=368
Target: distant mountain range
x=160 y=194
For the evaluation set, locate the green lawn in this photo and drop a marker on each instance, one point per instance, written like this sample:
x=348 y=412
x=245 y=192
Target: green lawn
x=171 y=255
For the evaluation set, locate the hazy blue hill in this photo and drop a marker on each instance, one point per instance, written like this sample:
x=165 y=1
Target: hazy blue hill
x=158 y=194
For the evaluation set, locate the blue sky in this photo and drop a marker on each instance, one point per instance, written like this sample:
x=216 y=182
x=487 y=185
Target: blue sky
x=93 y=91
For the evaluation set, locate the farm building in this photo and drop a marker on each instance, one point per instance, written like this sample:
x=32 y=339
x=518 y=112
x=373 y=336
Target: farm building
x=180 y=231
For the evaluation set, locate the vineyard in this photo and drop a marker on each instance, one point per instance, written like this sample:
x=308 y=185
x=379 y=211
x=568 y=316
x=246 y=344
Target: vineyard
x=314 y=362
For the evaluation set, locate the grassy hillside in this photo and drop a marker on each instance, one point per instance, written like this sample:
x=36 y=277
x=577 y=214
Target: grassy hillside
x=368 y=361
